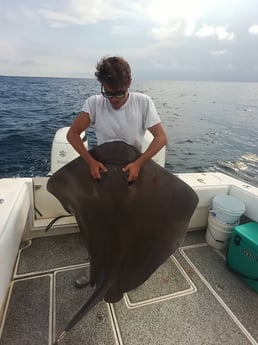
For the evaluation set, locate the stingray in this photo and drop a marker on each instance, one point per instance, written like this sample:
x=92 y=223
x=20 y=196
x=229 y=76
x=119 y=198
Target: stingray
x=129 y=229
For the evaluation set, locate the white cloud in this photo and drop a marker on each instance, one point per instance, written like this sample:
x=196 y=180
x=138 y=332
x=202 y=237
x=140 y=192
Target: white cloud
x=19 y=15
x=205 y=31
x=173 y=29
x=222 y=33
x=218 y=52
x=229 y=67
x=253 y=30
x=123 y=30
x=58 y=19
x=94 y=10
x=179 y=27
x=82 y=12
x=219 y=31
x=163 y=11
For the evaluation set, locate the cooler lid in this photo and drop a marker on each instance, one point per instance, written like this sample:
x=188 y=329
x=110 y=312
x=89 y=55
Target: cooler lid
x=228 y=203
x=249 y=232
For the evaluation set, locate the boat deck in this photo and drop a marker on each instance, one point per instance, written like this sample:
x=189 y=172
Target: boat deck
x=191 y=299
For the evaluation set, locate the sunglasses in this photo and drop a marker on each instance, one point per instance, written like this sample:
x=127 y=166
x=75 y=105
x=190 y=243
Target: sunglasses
x=109 y=95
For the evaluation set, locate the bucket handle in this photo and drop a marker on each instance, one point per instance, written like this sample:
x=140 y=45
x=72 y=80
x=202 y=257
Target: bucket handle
x=214 y=237
x=213 y=214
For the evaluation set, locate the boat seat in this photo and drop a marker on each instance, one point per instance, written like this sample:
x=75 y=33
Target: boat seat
x=205 y=194
x=14 y=210
x=249 y=196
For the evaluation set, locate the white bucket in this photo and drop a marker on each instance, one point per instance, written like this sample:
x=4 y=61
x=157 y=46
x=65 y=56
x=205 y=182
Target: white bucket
x=227 y=209
x=218 y=234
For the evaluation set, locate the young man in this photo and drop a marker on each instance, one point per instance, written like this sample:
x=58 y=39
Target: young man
x=117 y=114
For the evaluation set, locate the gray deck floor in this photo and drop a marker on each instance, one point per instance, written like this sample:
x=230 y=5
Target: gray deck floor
x=191 y=299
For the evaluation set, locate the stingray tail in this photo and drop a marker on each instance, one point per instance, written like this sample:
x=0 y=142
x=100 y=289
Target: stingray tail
x=98 y=295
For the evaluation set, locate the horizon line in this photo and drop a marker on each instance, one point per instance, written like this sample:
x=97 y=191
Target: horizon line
x=143 y=79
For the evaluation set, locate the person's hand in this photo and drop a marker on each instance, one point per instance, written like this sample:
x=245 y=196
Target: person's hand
x=95 y=168
x=133 y=170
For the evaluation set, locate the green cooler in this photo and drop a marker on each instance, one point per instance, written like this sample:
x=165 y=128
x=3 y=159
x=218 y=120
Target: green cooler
x=242 y=255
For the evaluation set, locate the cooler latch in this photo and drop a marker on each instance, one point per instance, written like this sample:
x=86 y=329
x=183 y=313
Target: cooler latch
x=237 y=240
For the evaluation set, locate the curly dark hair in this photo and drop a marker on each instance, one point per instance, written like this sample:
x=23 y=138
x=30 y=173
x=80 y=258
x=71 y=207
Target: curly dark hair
x=114 y=71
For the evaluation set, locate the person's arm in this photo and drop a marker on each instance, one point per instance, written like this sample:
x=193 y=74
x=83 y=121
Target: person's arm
x=159 y=141
x=80 y=124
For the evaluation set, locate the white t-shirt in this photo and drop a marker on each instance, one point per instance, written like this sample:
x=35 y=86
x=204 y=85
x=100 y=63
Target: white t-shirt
x=128 y=123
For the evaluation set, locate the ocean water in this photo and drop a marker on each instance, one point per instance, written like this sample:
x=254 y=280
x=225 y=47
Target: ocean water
x=211 y=126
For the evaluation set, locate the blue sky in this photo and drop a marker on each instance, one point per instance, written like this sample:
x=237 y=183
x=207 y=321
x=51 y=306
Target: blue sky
x=161 y=39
